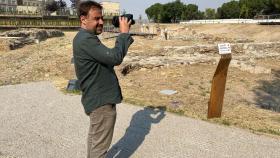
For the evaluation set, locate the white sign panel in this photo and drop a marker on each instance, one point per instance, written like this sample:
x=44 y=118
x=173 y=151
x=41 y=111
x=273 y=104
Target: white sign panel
x=224 y=48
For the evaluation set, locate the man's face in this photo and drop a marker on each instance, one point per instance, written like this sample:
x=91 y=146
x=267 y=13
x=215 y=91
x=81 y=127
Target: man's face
x=93 y=21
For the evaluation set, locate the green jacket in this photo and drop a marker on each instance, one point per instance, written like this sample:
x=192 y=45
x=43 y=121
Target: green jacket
x=94 y=66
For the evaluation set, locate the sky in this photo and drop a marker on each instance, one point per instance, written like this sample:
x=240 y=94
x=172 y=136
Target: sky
x=138 y=7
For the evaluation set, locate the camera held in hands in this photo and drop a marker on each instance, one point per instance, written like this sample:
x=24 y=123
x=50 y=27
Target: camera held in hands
x=116 y=23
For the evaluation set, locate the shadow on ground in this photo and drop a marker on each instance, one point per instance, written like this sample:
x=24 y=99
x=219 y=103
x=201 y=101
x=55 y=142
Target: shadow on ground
x=140 y=126
x=268 y=93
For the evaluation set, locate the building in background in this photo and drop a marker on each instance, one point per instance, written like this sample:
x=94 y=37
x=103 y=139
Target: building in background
x=31 y=6
x=27 y=10
x=8 y=5
x=35 y=3
x=24 y=7
x=110 y=8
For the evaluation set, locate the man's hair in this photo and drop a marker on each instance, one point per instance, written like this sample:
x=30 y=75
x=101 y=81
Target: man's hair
x=85 y=6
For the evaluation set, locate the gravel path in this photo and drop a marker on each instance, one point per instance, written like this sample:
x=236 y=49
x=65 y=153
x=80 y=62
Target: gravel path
x=38 y=121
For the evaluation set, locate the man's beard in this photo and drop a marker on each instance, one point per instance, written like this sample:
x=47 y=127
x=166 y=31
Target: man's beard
x=99 y=29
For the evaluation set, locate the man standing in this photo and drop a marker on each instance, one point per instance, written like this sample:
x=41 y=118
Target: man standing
x=94 y=65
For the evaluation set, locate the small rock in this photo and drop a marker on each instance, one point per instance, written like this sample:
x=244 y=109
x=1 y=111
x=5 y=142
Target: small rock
x=168 y=92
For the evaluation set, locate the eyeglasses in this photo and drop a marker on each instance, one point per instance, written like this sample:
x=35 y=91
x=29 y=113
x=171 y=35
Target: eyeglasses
x=96 y=18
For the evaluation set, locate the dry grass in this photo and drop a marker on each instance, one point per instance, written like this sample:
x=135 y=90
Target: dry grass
x=258 y=33
x=3 y=45
x=193 y=86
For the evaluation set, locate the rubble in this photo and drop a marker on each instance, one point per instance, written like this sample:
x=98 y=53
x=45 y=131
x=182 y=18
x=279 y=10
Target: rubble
x=22 y=37
x=243 y=54
x=188 y=34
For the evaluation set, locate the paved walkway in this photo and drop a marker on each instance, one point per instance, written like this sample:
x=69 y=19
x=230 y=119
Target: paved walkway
x=38 y=121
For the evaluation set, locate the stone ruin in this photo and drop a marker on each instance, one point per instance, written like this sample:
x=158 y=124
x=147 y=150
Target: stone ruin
x=15 y=39
x=244 y=52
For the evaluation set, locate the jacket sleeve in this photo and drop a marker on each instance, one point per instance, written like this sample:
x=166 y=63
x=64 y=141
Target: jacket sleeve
x=100 y=53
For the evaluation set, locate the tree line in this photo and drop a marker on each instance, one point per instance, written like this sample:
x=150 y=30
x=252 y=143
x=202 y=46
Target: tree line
x=177 y=10
x=53 y=6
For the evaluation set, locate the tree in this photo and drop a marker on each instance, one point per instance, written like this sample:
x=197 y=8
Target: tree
x=230 y=10
x=74 y=3
x=244 y=12
x=272 y=7
x=61 y=4
x=175 y=10
x=154 y=11
x=252 y=7
x=53 y=6
x=19 y=2
x=166 y=13
x=210 y=13
x=200 y=15
x=248 y=8
x=276 y=3
x=190 y=12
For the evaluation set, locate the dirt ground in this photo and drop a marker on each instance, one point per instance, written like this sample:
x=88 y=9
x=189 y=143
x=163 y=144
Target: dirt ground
x=258 y=33
x=245 y=91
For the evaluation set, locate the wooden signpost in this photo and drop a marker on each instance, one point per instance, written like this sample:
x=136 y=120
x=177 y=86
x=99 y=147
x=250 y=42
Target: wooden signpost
x=215 y=105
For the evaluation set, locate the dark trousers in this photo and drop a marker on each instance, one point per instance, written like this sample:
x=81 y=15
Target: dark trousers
x=102 y=123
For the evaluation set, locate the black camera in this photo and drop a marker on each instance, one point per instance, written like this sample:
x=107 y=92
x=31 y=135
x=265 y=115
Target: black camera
x=116 y=23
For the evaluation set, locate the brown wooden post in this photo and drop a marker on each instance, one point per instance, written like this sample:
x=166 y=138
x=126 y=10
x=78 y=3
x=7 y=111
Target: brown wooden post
x=215 y=104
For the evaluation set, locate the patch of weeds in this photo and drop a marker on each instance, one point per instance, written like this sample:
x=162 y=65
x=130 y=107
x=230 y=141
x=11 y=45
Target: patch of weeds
x=190 y=83
x=242 y=80
x=176 y=111
x=203 y=93
x=200 y=87
x=75 y=92
x=134 y=101
x=275 y=132
x=226 y=122
x=204 y=119
x=270 y=131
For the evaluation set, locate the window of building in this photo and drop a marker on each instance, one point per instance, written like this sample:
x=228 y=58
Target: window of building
x=3 y=1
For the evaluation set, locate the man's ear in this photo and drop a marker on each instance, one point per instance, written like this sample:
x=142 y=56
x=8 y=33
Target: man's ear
x=83 y=19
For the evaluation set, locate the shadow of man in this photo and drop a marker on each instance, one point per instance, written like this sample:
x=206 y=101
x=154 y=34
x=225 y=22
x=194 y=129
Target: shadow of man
x=135 y=134
x=268 y=93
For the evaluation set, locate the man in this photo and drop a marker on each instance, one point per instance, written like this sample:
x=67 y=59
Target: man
x=94 y=65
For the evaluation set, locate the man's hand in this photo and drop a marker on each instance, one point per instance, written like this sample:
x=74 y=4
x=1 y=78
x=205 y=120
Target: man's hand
x=124 y=24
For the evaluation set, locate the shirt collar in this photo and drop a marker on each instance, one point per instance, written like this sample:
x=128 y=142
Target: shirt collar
x=84 y=30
